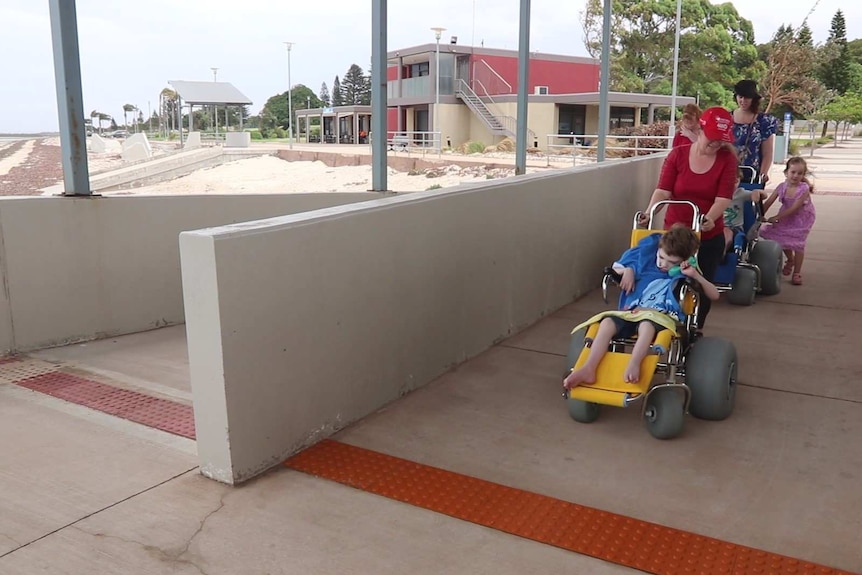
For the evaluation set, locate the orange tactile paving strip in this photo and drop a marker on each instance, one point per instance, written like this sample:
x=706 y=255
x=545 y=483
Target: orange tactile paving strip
x=615 y=538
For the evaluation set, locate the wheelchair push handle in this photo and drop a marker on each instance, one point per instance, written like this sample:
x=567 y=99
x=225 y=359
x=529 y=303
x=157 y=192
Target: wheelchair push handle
x=644 y=218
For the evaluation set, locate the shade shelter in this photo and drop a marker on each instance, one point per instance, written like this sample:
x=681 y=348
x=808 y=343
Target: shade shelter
x=339 y=124
x=208 y=94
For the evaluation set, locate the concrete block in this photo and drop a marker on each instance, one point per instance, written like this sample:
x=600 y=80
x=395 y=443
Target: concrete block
x=97 y=144
x=193 y=141
x=237 y=140
x=139 y=138
x=135 y=152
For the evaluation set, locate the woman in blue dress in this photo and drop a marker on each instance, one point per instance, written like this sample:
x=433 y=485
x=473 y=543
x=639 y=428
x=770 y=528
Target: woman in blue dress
x=753 y=131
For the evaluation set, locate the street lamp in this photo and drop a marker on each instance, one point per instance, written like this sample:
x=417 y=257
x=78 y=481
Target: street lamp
x=215 y=108
x=437 y=32
x=289 y=103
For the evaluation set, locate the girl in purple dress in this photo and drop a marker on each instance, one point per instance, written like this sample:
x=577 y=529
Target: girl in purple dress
x=795 y=216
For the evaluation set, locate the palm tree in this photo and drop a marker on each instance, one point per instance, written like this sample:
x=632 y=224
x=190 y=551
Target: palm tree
x=167 y=100
x=103 y=117
x=126 y=109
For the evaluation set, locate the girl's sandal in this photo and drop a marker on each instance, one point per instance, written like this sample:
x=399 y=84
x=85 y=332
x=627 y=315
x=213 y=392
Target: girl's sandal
x=788 y=267
x=797 y=279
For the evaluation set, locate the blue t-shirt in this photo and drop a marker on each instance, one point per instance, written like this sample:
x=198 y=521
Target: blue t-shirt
x=748 y=137
x=654 y=288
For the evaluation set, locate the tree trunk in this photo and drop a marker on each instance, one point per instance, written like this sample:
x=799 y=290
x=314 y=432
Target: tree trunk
x=825 y=125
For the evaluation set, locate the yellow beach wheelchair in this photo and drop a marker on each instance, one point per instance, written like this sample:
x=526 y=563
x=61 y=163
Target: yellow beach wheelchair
x=684 y=371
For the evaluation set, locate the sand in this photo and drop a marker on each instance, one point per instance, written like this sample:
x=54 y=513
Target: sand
x=271 y=175
x=265 y=174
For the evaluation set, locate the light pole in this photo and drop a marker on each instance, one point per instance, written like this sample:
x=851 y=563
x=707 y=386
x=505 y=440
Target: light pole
x=437 y=32
x=215 y=108
x=671 y=130
x=289 y=103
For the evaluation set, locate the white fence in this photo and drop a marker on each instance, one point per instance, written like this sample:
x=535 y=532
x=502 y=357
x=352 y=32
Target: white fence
x=582 y=147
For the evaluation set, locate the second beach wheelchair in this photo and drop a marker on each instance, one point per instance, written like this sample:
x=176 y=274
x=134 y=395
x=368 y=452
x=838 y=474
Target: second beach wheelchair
x=753 y=266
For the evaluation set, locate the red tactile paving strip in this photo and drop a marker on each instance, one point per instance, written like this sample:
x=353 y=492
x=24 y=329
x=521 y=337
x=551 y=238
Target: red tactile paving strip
x=615 y=538
x=176 y=418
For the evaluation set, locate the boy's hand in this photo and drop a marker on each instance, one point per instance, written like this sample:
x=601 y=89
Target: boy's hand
x=627 y=284
x=688 y=270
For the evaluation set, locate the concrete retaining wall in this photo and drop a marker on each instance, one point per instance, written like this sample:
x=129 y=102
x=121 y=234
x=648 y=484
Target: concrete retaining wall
x=299 y=325
x=76 y=269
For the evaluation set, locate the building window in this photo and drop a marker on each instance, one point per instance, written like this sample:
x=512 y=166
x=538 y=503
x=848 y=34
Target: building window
x=421 y=69
x=573 y=119
x=621 y=118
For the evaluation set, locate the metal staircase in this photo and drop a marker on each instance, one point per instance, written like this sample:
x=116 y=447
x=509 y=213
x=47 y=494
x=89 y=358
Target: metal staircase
x=478 y=107
x=498 y=125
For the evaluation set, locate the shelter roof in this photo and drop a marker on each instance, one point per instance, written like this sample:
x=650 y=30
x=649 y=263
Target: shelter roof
x=212 y=93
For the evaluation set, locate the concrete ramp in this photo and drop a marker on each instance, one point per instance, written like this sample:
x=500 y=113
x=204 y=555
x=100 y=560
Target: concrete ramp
x=161 y=169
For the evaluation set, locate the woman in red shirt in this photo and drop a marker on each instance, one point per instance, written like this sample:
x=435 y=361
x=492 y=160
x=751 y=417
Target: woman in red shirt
x=704 y=174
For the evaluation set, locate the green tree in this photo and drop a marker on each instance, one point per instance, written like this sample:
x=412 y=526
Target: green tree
x=835 y=70
x=353 y=86
x=716 y=47
x=846 y=109
x=337 y=100
x=324 y=95
x=276 y=106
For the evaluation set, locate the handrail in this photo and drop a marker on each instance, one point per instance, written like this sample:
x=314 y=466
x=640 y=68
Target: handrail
x=587 y=142
x=507 y=123
x=493 y=71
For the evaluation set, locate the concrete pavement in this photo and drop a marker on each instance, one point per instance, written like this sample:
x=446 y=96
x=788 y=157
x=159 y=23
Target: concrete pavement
x=84 y=492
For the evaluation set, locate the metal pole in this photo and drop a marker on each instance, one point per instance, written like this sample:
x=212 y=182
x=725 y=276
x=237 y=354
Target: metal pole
x=523 y=79
x=378 y=96
x=67 y=78
x=215 y=107
x=289 y=103
x=671 y=128
x=604 y=112
x=437 y=32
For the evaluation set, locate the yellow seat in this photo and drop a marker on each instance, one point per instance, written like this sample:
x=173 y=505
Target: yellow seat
x=610 y=387
x=638 y=234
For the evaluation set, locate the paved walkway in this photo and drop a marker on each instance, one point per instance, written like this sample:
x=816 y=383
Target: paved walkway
x=84 y=492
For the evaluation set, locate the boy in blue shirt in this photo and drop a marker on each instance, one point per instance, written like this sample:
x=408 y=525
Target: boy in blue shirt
x=648 y=303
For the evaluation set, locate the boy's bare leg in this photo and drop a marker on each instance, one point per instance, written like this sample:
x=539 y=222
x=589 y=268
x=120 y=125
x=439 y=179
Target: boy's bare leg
x=587 y=372
x=646 y=334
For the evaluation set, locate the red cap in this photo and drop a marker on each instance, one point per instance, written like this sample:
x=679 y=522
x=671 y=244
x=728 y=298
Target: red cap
x=717 y=124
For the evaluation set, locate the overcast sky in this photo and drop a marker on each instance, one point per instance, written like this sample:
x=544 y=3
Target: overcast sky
x=129 y=50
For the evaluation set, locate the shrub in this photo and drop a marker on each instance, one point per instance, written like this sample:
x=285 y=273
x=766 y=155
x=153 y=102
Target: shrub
x=793 y=147
x=256 y=135
x=280 y=132
x=474 y=147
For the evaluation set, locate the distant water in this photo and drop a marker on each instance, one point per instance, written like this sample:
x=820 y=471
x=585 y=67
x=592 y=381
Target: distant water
x=8 y=139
